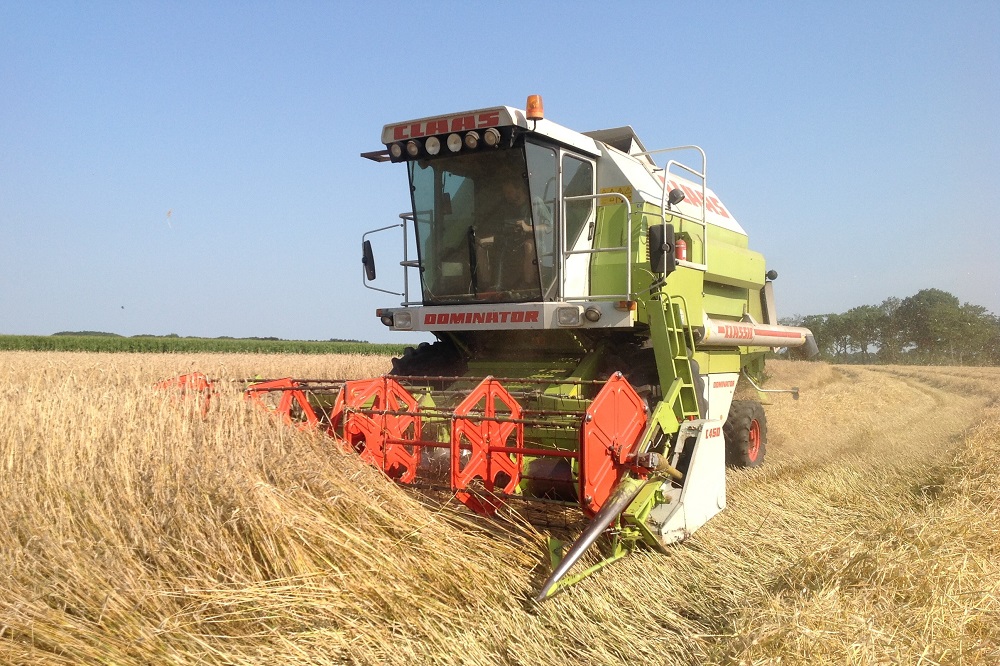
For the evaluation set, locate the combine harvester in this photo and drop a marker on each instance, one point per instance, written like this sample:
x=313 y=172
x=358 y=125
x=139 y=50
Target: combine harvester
x=593 y=315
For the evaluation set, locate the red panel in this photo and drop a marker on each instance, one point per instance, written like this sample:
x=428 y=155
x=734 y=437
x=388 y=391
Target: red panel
x=371 y=434
x=290 y=394
x=474 y=431
x=614 y=423
x=191 y=384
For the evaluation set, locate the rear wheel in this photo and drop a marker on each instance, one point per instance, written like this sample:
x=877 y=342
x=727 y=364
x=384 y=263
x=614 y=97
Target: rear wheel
x=746 y=434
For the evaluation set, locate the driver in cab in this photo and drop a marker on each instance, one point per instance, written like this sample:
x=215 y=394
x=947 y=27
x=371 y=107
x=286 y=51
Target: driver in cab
x=509 y=253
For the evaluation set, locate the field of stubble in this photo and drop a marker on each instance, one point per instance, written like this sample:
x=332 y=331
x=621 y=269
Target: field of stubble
x=133 y=532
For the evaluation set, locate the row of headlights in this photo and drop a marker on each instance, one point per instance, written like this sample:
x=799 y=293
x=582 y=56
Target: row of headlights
x=454 y=143
x=570 y=316
x=400 y=320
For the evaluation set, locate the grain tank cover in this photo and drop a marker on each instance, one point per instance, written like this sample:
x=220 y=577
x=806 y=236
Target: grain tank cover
x=621 y=138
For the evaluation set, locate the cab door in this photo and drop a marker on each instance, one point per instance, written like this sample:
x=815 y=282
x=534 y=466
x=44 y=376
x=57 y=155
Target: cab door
x=577 y=178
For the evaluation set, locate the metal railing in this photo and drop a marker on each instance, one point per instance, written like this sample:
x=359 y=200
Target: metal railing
x=406 y=263
x=664 y=208
x=627 y=248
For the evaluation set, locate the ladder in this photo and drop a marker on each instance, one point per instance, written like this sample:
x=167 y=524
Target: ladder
x=673 y=341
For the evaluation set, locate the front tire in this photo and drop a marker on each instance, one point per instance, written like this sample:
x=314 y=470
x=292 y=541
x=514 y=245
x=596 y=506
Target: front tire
x=746 y=434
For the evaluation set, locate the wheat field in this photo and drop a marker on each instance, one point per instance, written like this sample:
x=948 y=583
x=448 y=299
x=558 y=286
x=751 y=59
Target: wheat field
x=133 y=531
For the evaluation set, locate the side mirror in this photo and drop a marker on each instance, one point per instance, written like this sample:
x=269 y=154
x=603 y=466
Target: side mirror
x=675 y=196
x=661 y=248
x=368 y=260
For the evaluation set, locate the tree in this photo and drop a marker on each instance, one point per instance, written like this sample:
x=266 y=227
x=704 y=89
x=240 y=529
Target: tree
x=861 y=326
x=974 y=331
x=929 y=322
x=890 y=344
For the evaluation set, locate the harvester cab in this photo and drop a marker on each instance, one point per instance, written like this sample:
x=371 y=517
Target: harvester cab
x=593 y=314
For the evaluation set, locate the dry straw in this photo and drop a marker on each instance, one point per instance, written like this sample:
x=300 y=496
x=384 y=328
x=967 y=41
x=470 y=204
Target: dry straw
x=134 y=532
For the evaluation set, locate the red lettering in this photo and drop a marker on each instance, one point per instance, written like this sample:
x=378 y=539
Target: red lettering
x=692 y=196
x=415 y=131
x=718 y=207
x=714 y=432
x=399 y=133
x=474 y=318
x=437 y=126
x=489 y=119
x=736 y=332
x=460 y=123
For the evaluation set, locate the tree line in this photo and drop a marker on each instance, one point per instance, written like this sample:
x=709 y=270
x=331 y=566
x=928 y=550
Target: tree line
x=929 y=328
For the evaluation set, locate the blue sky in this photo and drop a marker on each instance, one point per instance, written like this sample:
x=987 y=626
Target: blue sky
x=193 y=167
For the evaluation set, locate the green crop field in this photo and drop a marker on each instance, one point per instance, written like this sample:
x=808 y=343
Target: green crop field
x=174 y=344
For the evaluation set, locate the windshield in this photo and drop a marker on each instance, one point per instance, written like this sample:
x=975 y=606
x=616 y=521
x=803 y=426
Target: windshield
x=485 y=225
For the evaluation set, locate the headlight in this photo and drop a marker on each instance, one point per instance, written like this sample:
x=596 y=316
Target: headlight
x=396 y=151
x=402 y=319
x=593 y=313
x=492 y=137
x=568 y=316
x=433 y=145
x=472 y=140
x=454 y=142
x=412 y=148
x=386 y=320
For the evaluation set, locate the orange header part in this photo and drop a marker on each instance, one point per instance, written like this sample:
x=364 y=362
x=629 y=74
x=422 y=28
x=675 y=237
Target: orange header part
x=534 y=108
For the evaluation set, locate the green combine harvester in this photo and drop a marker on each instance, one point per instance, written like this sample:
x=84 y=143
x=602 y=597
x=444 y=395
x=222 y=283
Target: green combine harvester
x=593 y=314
